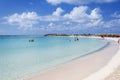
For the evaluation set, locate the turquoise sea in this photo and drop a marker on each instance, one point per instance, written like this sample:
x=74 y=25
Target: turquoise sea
x=19 y=57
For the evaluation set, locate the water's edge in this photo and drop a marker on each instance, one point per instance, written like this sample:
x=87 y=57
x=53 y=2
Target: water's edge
x=56 y=66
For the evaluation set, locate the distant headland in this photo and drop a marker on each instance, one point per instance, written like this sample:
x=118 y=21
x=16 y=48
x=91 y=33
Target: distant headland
x=100 y=35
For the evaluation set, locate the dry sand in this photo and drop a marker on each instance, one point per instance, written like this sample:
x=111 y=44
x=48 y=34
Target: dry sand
x=109 y=69
x=80 y=68
x=115 y=75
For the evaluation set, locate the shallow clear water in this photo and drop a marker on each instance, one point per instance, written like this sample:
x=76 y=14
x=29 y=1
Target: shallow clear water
x=19 y=57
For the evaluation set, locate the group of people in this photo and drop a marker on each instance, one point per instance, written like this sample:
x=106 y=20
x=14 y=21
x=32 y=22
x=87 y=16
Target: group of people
x=32 y=40
x=76 y=39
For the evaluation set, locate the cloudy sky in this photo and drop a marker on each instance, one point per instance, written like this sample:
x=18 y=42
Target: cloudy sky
x=35 y=17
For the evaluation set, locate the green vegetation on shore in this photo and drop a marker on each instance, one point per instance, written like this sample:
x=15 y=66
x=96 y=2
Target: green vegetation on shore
x=101 y=35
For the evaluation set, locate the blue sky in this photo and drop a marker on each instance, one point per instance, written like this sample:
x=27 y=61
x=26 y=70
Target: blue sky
x=35 y=17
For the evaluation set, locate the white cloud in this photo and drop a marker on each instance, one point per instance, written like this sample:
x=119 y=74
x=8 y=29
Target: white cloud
x=51 y=24
x=77 y=14
x=55 y=2
x=24 y=20
x=112 y=23
x=95 y=14
x=49 y=18
x=116 y=15
x=78 y=18
x=55 y=16
x=80 y=15
x=58 y=12
x=66 y=23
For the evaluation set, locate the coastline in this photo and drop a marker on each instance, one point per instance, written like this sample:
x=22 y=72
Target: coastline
x=110 y=70
x=115 y=75
x=80 y=68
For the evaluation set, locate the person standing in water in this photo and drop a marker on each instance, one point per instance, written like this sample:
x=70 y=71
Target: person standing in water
x=76 y=38
x=118 y=41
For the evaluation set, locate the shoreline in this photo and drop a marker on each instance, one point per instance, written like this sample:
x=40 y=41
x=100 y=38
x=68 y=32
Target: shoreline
x=108 y=71
x=78 y=69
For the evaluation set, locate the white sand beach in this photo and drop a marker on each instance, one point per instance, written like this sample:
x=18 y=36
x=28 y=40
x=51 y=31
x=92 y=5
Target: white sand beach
x=91 y=67
x=109 y=71
x=115 y=75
